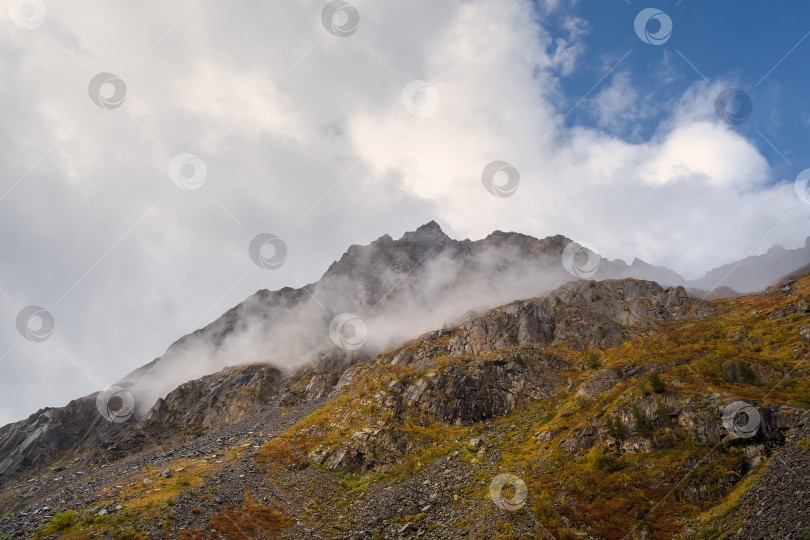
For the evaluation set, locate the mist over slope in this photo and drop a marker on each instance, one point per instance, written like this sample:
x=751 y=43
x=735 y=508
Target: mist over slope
x=397 y=289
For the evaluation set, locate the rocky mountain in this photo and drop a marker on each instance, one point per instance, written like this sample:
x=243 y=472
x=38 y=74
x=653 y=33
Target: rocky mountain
x=398 y=288
x=494 y=395
x=402 y=288
x=757 y=272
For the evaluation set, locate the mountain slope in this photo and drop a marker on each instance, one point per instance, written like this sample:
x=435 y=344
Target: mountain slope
x=554 y=390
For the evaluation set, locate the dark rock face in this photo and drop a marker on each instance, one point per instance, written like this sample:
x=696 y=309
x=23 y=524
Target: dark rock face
x=482 y=389
x=193 y=408
x=220 y=399
x=46 y=435
x=585 y=313
x=368 y=449
x=605 y=380
x=485 y=388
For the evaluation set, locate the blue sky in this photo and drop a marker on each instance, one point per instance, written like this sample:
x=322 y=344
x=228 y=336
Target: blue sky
x=735 y=41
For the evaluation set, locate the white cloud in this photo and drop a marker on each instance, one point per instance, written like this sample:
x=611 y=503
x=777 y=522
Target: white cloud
x=618 y=105
x=304 y=135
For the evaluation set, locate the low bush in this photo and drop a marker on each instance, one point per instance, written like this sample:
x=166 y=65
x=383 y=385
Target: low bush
x=747 y=374
x=643 y=426
x=59 y=522
x=615 y=427
x=657 y=383
x=592 y=360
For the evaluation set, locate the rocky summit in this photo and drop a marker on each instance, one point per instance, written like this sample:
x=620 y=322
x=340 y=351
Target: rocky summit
x=484 y=391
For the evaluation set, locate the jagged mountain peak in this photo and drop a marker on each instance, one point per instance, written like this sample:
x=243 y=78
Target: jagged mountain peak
x=403 y=253
x=428 y=242
x=429 y=232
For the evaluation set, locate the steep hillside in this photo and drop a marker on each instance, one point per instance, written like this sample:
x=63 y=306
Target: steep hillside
x=603 y=409
x=400 y=288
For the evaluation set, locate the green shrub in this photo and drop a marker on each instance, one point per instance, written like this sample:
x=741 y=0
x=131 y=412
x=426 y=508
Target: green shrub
x=657 y=383
x=643 y=426
x=128 y=533
x=615 y=427
x=592 y=360
x=519 y=358
x=645 y=390
x=93 y=519
x=602 y=460
x=747 y=374
x=663 y=413
x=59 y=522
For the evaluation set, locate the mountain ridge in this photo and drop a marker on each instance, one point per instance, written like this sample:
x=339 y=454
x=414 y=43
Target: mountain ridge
x=414 y=248
x=365 y=264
